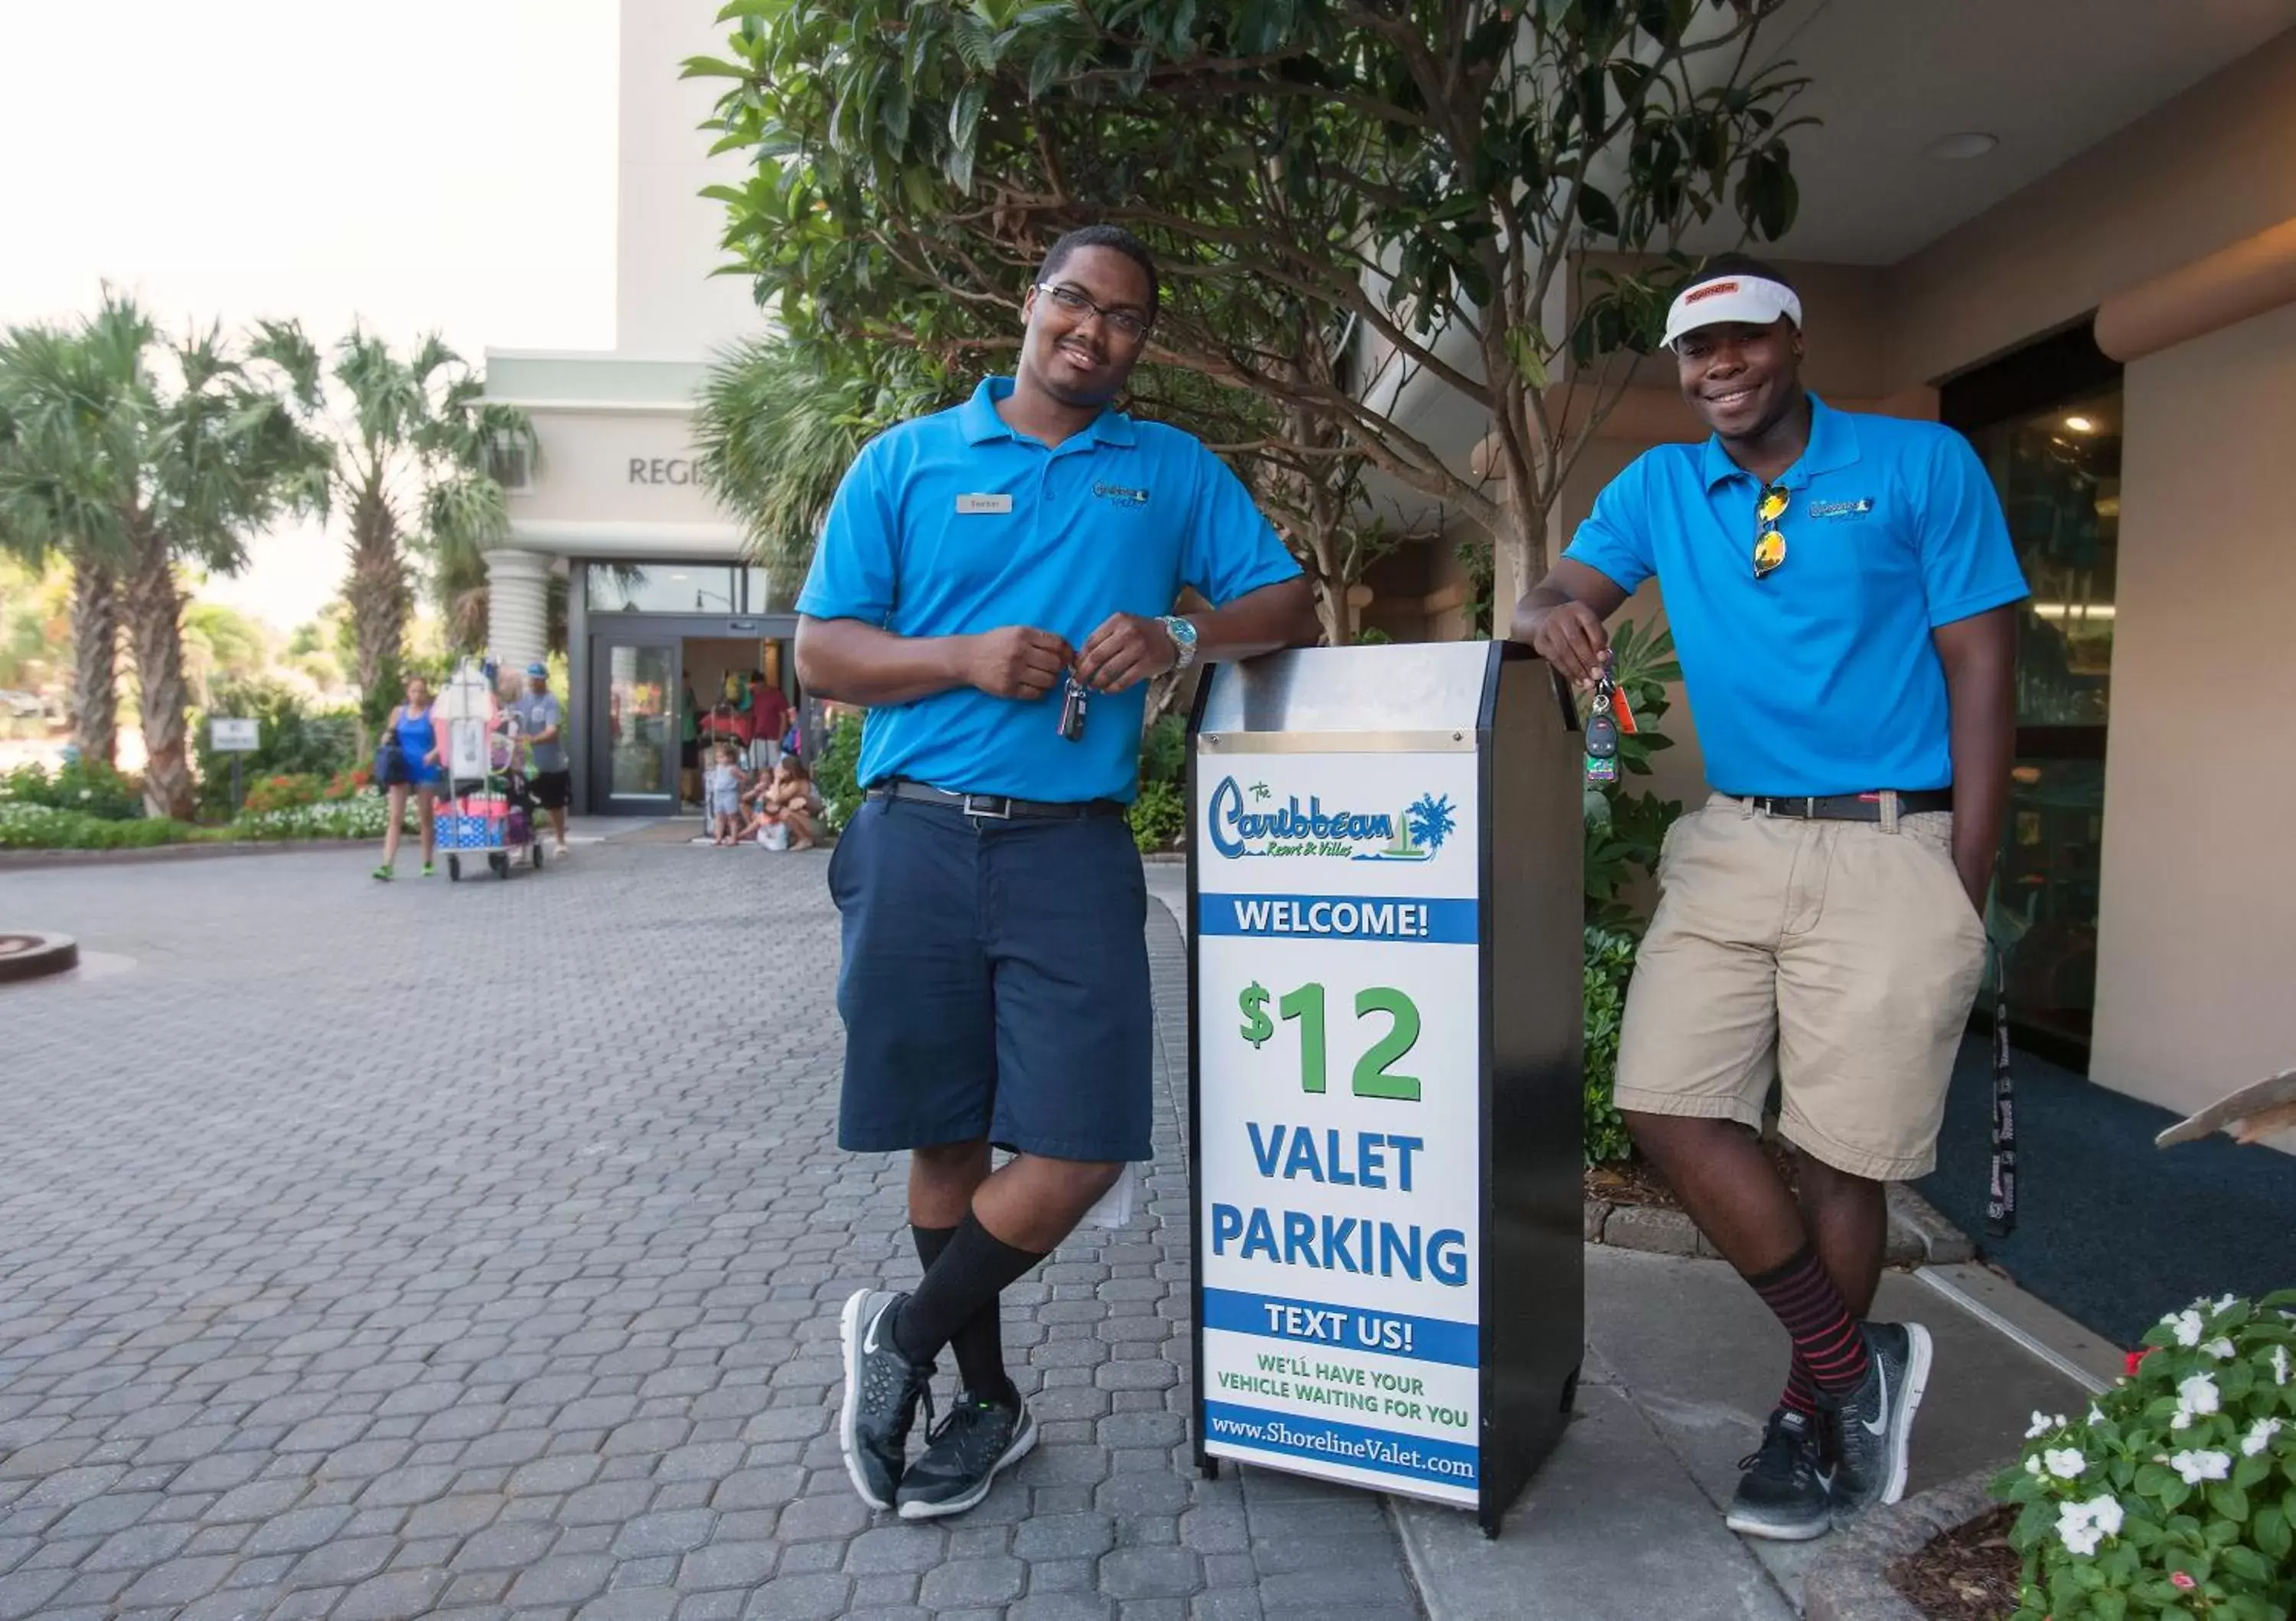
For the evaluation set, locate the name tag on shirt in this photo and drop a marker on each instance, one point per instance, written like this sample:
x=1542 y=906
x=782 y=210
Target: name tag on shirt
x=984 y=504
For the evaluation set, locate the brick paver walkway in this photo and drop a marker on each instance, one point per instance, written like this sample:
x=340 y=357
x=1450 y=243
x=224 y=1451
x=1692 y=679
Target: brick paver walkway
x=376 y=1252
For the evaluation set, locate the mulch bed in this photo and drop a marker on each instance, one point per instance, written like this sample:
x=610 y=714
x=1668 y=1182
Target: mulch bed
x=1969 y=1574
x=1637 y=1182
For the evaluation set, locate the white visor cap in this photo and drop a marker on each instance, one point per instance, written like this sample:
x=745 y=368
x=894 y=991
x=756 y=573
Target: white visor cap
x=1747 y=300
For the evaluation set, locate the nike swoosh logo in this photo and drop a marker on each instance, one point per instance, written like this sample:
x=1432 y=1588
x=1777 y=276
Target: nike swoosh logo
x=1880 y=1426
x=869 y=1340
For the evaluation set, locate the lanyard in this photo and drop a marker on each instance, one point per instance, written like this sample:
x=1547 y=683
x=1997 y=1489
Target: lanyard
x=2001 y=1196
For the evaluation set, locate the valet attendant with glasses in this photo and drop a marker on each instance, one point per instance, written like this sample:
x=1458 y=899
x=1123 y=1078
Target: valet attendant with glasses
x=996 y=583
x=1840 y=588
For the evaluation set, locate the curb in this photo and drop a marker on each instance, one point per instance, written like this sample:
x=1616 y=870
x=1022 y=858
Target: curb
x=1918 y=1235
x=1849 y=1582
x=32 y=956
x=34 y=861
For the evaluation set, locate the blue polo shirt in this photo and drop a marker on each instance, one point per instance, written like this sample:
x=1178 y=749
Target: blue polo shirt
x=954 y=524
x=1821 y=679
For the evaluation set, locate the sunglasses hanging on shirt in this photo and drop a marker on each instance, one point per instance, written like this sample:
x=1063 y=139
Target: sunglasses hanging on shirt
x=1769 y=540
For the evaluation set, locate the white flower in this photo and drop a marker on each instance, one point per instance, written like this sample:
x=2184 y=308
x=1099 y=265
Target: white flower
x=88 y=793
x=2096 y=1415
x=2224 y=1303
x=2280 y=1365
x=2064 y=1462
x=2194 y=1396
x=2043 y=1424
x=2188 y=1326
x=2197 y=1467
x=2033 y=1467
x=2075 y=1531
x=2220 y=1348
x=2259 y=1437
x=2081 y=1526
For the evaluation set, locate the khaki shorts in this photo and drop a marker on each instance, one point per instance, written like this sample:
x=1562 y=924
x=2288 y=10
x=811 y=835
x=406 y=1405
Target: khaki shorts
x=1840 y=956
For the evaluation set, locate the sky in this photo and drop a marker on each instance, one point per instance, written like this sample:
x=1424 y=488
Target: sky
x=427 y=165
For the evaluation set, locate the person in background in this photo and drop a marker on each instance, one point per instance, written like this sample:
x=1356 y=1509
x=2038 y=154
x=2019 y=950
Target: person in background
x=542 y=722
x=724 y=793
x=689 y=743
x=786 y=800
x=769 y=718
x=414 y=767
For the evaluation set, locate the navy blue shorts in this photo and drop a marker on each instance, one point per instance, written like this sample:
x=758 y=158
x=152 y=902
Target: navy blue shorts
x=994 y=983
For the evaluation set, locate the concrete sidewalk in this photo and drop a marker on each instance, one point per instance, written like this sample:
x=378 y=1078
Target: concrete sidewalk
x=1683 y=1365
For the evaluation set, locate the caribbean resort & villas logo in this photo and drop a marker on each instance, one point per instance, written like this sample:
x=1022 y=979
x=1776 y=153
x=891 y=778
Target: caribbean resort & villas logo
x=1248 y=822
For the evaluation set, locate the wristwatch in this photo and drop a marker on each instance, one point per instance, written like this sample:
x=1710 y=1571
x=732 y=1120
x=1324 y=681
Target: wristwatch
x=1184 y=639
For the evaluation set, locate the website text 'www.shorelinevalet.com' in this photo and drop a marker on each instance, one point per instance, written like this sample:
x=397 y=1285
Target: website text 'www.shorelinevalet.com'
x=1368 y=1450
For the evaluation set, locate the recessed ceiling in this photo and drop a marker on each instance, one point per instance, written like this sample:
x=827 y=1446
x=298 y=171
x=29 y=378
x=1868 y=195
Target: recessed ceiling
x=2048 y=77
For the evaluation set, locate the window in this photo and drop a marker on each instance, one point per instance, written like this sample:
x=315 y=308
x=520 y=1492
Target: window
x=510 y=464
x=2047 y=423
x=706 y=588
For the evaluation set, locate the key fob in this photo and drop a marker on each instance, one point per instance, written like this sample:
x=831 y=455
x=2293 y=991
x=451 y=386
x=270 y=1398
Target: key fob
x=1602 y=736
x=1073 y=702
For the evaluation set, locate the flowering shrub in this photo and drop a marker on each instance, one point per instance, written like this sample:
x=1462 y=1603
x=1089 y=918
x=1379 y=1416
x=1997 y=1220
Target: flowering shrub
x=2176 y=1495
x=349 y=785
x=88 y=787
x=42 y=827
x=283 y=792
x=365 y=817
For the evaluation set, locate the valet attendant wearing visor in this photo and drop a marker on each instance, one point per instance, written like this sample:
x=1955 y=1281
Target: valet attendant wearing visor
x=1840 y=586
x=995 y=582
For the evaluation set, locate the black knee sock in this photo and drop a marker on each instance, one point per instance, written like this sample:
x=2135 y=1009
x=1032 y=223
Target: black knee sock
x=972 y=1270
x=980 y=1343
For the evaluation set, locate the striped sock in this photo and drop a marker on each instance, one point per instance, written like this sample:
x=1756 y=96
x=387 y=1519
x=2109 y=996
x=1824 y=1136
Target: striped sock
x=1801 y=1390
x=1826 y=1339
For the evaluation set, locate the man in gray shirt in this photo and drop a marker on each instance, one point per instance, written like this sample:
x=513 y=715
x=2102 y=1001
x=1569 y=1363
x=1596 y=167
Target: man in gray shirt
x=541 y=722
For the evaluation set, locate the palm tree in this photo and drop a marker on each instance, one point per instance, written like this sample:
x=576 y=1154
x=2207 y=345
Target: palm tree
x=225 y=456
x=779 y=420
x=68 y=472
x=414 y=452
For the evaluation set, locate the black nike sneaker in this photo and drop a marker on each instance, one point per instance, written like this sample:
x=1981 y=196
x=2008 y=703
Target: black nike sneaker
x=976 y=1440
x=1785 y=1494
x=1871 y=1425
x=882 y=1391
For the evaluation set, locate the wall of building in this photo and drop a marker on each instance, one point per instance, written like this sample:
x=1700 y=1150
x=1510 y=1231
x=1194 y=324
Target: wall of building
x=2198 y=924
x=605 y=466
x=666 y=234
x=2213 y=166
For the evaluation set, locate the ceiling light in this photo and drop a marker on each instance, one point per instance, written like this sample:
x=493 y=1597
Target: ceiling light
x=1962 y=147
x=2080 y=424
x=677 y=577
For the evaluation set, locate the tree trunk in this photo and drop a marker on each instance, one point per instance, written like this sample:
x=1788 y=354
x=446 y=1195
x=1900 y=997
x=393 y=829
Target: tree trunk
x=96 y=654
x=155 y=611
x=377 y=591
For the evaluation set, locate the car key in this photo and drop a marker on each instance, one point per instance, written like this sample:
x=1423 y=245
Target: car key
x=1603 y=734
x=1073 y=709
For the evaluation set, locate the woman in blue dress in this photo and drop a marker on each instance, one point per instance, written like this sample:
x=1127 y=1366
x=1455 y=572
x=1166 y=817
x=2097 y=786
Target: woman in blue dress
x=419 y=769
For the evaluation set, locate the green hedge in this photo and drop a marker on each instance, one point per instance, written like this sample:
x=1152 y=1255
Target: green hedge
x=39 y=827
x=89 y=788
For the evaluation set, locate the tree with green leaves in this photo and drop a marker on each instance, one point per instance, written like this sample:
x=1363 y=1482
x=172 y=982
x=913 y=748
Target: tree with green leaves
x=66 y=472
x=158 y=454
x=416 y=448
x=780 y=419
x=1459 y=198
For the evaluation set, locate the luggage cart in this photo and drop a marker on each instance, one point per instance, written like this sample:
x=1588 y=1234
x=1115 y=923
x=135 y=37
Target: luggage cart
x=488 y=810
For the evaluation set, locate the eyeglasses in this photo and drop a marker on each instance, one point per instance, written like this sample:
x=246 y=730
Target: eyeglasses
x=1769 y=542
x=1123 y=322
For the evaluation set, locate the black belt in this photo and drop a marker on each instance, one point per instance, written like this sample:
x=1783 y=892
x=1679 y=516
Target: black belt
x=996 y=808
x=1852 y=808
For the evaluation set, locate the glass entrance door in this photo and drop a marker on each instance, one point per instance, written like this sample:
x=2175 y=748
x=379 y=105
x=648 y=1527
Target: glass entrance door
x=2046 y=422
x=633 y=725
